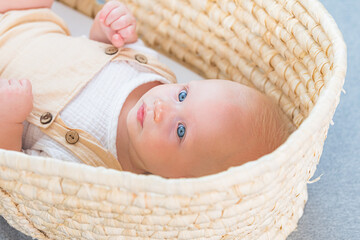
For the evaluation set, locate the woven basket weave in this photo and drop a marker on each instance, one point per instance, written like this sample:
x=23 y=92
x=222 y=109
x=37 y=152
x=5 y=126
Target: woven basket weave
x=291 y=50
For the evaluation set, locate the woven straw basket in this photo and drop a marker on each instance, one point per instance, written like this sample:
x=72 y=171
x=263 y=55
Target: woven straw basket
x=291 y=50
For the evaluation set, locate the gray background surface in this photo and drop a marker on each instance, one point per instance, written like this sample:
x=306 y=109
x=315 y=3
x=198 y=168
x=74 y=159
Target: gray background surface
x=333 y=208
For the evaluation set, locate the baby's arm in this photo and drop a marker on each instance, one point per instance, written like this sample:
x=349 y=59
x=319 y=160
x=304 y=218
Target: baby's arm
x=114 y=24
x=16 y=103
x=23 y=4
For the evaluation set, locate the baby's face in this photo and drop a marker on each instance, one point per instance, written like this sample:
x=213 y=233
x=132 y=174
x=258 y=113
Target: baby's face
x=186 y=130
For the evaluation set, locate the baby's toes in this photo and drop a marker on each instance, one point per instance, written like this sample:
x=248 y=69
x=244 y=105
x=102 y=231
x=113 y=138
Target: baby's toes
x=4 y=82
x=14 y=83
x=26 y=84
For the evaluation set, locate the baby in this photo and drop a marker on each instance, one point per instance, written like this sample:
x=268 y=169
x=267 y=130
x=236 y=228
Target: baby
x=171 y=130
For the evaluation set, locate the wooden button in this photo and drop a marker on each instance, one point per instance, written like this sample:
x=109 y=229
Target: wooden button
x=141 y=58
x=46 y=118
x=111 y=50
x=72 y=137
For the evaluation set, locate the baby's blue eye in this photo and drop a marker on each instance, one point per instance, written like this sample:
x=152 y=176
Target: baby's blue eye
x=182 y=95
x=181 y=130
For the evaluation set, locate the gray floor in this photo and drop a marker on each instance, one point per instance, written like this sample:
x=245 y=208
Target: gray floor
x=333 y=208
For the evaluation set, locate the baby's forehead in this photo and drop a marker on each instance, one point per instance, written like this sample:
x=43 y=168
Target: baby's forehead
x=215 y=124
x=229 y=90
x=221 y=107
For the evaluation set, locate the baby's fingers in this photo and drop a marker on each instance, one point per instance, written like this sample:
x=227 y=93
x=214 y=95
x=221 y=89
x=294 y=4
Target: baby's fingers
x=108 y=7
x=113 y=14
x=129 y=34
x=117 y=41
x=123 y=22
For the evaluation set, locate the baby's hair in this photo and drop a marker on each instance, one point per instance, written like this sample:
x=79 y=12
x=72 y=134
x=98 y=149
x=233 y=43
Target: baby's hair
x=269 y=128
x=272 y=126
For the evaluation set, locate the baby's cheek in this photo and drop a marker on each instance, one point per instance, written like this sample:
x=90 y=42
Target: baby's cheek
x=156 y=143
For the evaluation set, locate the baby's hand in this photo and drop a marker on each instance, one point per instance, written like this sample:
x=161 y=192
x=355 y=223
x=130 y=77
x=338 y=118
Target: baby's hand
x=118 y=23
x=16 y=100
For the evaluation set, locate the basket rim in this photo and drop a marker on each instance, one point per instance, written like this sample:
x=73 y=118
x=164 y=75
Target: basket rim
x=323 y=109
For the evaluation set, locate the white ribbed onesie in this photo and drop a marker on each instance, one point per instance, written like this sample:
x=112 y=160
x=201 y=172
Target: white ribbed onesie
x=95 y=109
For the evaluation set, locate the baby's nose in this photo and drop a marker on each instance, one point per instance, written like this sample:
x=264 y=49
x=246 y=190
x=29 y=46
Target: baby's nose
x=161 y=108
